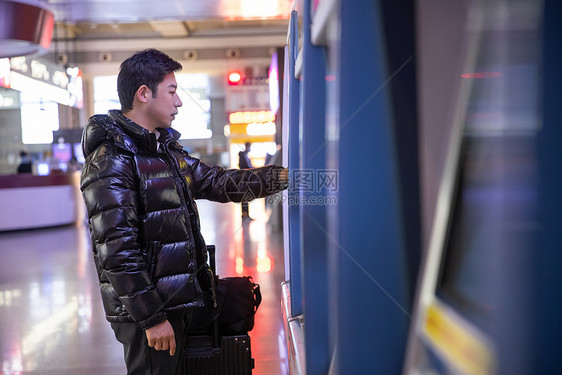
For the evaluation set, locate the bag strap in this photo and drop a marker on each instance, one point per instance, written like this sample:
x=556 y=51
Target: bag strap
x=255 y=291
x=257 y=297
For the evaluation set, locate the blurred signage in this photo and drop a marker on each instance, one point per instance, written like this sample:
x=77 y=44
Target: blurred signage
x=248 y=117
x=46 y=79
x=246 y=93
x=40 y=70
x=460 y=343
x=251 y=126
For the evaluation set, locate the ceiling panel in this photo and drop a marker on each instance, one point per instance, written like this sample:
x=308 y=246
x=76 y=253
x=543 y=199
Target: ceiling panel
x=97 y=34
x=106 y=11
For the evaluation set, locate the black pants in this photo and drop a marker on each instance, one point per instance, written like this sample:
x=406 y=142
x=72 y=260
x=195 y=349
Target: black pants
x=144 y=360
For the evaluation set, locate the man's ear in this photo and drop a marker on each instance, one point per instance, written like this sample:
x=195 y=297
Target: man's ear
x=143 y=93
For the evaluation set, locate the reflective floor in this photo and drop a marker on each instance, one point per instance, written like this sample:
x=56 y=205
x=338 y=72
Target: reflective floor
x=51 y=318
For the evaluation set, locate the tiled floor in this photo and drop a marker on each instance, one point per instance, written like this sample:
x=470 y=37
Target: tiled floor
x=51 y=318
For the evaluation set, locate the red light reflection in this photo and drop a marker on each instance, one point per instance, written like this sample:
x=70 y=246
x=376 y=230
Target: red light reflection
x=264 y=264
x=482 y=75
x=239 y=265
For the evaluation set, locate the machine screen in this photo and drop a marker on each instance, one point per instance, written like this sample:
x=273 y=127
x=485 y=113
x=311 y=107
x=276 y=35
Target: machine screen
x=494 y=211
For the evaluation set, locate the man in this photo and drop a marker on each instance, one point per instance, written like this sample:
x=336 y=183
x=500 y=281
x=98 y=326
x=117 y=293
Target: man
x=26 y=164
x=139 y=186
x=244 y=162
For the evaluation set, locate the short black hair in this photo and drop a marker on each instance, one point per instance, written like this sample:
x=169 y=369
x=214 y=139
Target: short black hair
x=147 y=67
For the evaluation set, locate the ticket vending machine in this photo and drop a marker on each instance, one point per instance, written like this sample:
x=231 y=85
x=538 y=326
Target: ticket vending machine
x=489 y=282
x=347 y=290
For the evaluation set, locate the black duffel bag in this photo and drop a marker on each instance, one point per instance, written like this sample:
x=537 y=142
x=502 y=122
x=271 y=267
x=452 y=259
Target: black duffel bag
x=237 y=300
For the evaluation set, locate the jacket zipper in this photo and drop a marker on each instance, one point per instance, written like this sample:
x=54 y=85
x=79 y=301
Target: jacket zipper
x=178 y=175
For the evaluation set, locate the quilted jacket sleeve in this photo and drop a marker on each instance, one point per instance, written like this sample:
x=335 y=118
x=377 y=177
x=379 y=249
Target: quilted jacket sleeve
x=109 y=190
x=234 y=185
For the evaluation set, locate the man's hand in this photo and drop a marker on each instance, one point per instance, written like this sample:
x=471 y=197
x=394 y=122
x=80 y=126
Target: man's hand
x=161 y=337
x=284 y=175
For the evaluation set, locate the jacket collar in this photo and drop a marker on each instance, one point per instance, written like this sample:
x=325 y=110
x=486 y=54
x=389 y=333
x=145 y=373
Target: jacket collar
x=142 y=137
x=124 y=133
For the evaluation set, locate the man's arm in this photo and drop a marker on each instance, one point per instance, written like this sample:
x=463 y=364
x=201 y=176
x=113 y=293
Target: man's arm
x=234 y=185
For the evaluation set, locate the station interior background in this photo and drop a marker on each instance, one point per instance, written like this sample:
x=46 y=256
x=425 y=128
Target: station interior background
x=439 y=119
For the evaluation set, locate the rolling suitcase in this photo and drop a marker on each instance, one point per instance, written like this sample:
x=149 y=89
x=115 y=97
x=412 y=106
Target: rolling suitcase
x=209 y=353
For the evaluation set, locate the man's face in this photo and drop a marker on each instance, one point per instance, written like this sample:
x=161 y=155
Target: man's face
x=164 y=107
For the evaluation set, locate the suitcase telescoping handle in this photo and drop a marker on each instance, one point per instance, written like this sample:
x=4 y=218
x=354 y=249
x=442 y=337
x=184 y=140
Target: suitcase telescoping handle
x=212 y=258
x=215 y=279
x=213 y=265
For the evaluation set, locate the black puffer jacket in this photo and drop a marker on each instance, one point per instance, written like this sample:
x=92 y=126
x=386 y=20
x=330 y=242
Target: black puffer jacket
x=148 y=249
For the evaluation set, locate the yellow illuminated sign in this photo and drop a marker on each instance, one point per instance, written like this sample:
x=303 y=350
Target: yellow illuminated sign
x=251 y=117
x=463 y=347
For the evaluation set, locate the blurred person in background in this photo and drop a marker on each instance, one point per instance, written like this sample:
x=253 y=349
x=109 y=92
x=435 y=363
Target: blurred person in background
x=26 y=164
x=74 y=165
x=244 y=162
